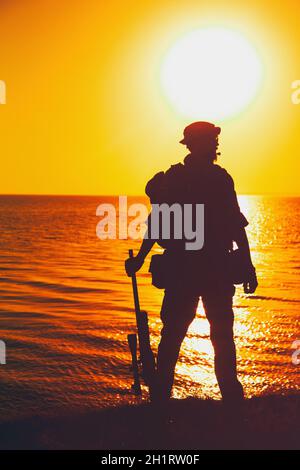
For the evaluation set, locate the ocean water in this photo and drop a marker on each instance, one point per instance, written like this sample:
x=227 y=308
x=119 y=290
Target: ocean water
x=66 y=308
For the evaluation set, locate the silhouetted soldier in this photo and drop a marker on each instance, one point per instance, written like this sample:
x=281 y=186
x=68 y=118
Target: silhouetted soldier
x=189 y=274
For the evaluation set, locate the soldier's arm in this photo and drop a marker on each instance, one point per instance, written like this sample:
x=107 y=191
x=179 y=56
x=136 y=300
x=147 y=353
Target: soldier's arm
x=154 y=190
x=238 y=222
x=250 y=282
x=145 y=248
x=241 y=240
x=132 y=265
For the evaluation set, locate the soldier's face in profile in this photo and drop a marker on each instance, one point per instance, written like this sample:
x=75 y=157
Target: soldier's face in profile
x=202 y=146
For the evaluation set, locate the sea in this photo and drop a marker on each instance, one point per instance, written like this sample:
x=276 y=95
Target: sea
x=67 y=306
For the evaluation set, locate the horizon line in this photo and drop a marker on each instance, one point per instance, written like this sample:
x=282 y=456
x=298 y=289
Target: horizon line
x=269 y=194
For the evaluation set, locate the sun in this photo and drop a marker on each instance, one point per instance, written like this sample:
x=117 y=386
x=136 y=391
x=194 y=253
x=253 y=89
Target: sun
x=211 y=74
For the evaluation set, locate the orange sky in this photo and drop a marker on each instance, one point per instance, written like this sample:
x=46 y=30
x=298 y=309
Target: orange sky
x=85 y=111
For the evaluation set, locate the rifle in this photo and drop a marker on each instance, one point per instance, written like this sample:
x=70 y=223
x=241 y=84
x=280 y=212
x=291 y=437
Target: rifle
x=132 y=342
x=147 y=359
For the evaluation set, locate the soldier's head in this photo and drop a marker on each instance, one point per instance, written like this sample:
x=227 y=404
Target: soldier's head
x=201 y=138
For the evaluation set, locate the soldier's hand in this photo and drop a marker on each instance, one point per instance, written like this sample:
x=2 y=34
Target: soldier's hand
x=250 y=283
x=132 y=265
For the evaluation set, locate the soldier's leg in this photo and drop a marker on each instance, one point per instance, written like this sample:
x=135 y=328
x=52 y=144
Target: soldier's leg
x=218 y=309
x=177 y=312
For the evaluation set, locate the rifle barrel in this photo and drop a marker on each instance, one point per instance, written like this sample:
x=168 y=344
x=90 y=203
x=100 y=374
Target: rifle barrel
x=135 y=290
x=146 y=354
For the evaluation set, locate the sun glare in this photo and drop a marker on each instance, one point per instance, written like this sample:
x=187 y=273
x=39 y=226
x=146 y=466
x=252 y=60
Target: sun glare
x=211 y=73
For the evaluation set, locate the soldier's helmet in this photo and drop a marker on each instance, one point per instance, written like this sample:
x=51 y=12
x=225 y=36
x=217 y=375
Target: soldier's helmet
x=200 y=130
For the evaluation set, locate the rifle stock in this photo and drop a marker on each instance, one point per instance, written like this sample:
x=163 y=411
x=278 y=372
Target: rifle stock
x=146 y=354
x=132 y=342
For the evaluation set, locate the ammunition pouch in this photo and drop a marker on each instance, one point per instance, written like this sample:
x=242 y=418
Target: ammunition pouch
x=159 y=271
